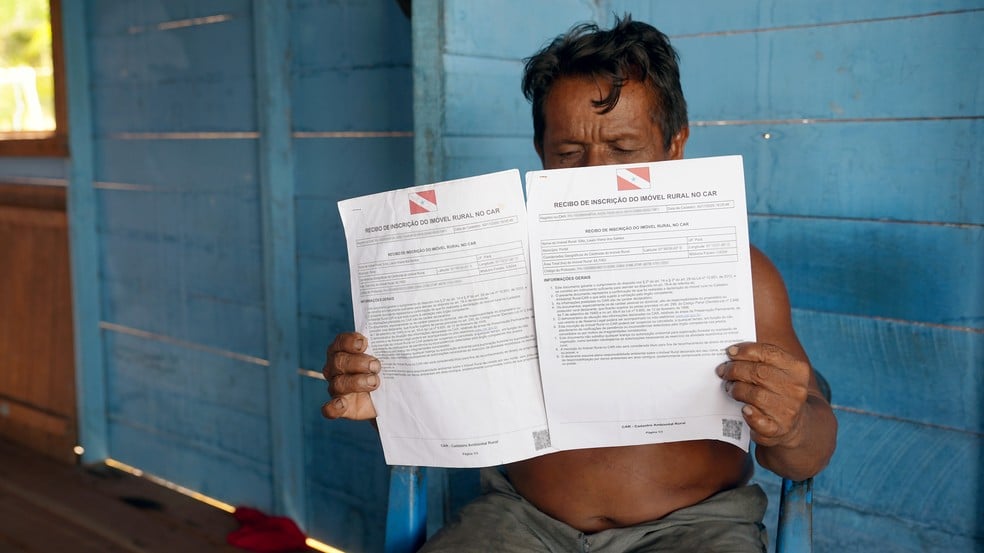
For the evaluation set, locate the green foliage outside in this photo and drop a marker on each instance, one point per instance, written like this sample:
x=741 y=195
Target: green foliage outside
x=26 y=75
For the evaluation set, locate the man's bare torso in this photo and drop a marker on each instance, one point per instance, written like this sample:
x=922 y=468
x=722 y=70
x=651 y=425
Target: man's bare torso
x=597 y=489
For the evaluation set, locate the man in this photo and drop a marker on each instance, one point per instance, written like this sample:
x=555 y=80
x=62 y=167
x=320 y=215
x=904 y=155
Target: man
x=605 y=97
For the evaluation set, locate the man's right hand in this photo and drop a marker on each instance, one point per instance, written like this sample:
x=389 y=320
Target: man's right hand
x=351 y=375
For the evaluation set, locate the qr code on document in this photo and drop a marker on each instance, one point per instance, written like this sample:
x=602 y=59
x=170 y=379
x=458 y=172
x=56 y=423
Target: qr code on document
x=731 y=428
x=541 y=439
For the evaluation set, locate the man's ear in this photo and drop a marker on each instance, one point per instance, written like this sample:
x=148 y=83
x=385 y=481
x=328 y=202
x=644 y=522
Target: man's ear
x=678 y=143
x=538 y=146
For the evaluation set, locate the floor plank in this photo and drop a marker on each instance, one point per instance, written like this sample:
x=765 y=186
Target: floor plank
x=46 y=506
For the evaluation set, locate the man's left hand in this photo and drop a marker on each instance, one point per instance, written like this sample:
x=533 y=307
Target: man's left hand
x=773 y=385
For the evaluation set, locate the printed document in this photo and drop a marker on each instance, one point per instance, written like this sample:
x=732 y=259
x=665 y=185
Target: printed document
x=641 y=280
x=639 y=277
x=441 y=288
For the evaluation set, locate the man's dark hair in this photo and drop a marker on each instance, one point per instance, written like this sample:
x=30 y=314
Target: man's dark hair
x=630 y=50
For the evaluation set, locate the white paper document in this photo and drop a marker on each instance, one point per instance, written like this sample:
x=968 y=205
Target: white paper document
x=639 y=277
x=441 y=288
x=641 y=280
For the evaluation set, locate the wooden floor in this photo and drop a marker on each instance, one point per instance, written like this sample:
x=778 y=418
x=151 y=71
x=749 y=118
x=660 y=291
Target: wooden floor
x=47 y=507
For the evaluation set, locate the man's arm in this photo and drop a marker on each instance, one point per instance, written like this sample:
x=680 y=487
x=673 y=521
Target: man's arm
x=792 y=424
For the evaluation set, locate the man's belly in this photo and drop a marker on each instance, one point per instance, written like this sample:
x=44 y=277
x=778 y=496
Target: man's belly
x=597 y=489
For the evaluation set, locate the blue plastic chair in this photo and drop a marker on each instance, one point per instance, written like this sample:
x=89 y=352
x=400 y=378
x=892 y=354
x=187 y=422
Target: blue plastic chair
x=406 y=519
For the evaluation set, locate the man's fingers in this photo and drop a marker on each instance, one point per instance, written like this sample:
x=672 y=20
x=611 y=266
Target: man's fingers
x=350 y=406
x=352 y=384
x=351 y=342
x=764 y=353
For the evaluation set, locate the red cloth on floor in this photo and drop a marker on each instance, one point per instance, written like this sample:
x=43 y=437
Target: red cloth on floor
x=266 y=534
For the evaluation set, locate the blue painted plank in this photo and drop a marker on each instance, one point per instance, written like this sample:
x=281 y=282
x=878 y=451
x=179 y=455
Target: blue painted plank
x=710 y=16
x=271 y=27
x=226 y=273
x=910 y=171
x=189 y=420
x=165 y=293
x=224 y=477
x=363 y=35
x=839 y=528
x=90 y=372
x=317 y=332
x=891 y=69
x=484 y=98
x=121 y=16
x=207 y=221
x=889 y=270
x=347 y=479
x=873 y=365
x=147 y=365
x=364 y=99
x=511 y=29
x=194 y=106
x=467 y=155
x=341 y=168
x=429 y=97
x=323 y=285
x=864 y=70
x=919 y=475
x=180 y=164
x=187 y=54
x=322 y=226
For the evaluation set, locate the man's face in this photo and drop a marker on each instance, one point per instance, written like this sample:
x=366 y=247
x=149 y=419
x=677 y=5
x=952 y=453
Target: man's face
x=575 y=134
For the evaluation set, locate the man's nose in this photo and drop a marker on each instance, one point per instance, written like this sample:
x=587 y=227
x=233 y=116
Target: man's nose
x=594 y=157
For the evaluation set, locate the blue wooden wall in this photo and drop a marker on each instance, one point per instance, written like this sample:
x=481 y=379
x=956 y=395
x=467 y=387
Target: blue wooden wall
x=210 y=144
x=211 y=140
x=860 y=124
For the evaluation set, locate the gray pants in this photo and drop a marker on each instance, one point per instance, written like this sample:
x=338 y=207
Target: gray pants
x=502 y=521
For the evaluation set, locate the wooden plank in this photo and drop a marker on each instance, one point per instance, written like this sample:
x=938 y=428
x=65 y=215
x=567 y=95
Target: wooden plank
x=323 y=285
x=886 y=69
x=347 y=479
x=84 y=244
x=51 y=198
x=205 y=107
x=841 y=72
x=189 y=293
x=429 y=95
x=363 y=35
x=841 y=528
x=37 y=381
x=873 y=365
x=511 y=29
x=915 y=474
x=154 y=57
x=29 y=528
x=889 y=270
x=272 y=48
x=484 y=97
x=204 y=221
x=53 y=507
x=910 y=171
x=316 y=333
x=469 y=155
x=340 y=168
x=209 y=471
x=15 y=169
x=128 y=16
x=718 y=16
x=179 y=164
x=145 y=366
x=370 y=99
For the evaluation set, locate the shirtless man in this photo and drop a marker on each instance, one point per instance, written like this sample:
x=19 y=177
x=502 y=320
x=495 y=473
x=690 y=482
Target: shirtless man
x=605 y=97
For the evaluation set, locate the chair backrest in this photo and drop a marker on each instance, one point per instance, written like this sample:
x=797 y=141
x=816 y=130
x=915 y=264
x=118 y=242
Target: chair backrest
x=406 y=518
